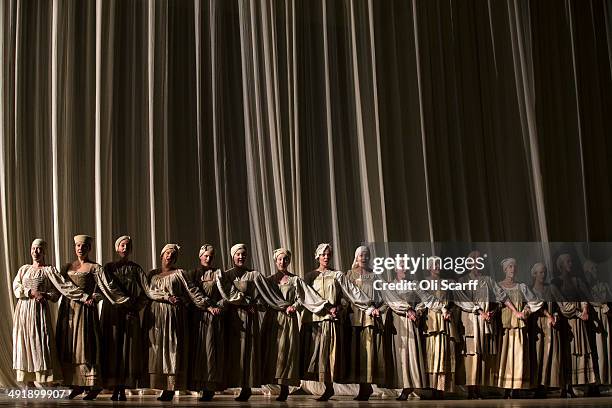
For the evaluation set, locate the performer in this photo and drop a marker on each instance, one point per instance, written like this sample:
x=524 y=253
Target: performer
x=404 y=343
x=479 y=309
x=207 y=339
x=544 y=335
x=576 y=350
x=281 y=354
x=366 y=359
x=78 y=325
x=601 y=342
x=122 y=341
x=328 y=358
x=166 y=321
x=242 y=333
x=514 y=355
x=34 y=349
x=440 y=333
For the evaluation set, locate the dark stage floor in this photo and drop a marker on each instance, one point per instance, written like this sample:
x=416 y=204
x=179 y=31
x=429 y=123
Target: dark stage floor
x=308 y=401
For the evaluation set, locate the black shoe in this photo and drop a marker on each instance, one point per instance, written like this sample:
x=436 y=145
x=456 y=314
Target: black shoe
x=329 y=392
x=207 y=395
x=119 y=394
x=404 y=395
x=283 y=394
x=593 y=391
x=122 y=396
x=245 y=394
x=75 y=392
x=166 y=395
x=92 y=394
x=365 y=391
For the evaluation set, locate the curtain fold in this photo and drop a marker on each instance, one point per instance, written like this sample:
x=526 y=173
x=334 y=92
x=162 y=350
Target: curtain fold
x=290 y=123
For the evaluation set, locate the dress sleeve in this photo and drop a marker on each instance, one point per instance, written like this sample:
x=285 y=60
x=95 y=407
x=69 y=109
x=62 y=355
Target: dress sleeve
x=229 y=292
x=353 y=293
x=65 y=286
x=269 y=292
x=195 y=294
x=533 y=303
x=308 y=297
x=18 y=289
x=108 y=287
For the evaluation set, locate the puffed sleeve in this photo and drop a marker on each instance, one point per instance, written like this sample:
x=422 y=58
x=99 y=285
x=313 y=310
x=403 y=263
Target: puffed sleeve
x=231 y=294
x=65 y=286
x=195 y=294
x=533 y=303
x=353 y=293
x=308 y=297
x=108 y=287
x=18 y=289
x=269 y=292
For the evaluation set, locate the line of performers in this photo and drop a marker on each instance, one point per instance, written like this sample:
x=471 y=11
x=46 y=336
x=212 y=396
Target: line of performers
x=172 y=329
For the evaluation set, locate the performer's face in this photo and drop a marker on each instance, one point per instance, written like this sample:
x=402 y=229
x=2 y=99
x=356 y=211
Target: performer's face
x=363 y=259
x=325 y=257
x=240 y=258
x=169 y=257
x=37 y=253
x=82 y=249
x=510 y=270
x=540 y=274
x=282 y=262
x=124 y=248
x=400 y=271
x=207 y=258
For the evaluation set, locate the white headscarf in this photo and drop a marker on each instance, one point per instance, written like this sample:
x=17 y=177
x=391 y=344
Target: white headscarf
x=39 y=242
x=236 y=248
x=358 y=252
x=204 y=248
x=82 y=239
x=122 y=238
x=281 y=251
x=507 y=261
x=168 y=247
x=321 y=248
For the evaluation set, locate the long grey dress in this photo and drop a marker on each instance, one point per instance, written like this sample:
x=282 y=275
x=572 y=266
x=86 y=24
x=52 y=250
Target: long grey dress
x=167 y=327
x=207 y=335
x=34 y=349
x=122 y=337
x=281 y=354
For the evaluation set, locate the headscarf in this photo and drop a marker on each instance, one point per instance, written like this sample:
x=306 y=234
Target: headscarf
x=122 y=238
x=321 y=248
x=40 y=243
x=82 y=239
x=168 y=247
x=236 y=248
x=281 y=251
x=560 y=259
x=507 y=261
x=358 y=252
x=204 y=248
x=535 y=267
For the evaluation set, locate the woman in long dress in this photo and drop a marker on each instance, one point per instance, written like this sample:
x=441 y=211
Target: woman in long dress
x=327 y=362
x=366 y=359
x=34 y=349
x=122 y=341
x=576 y=351
x=544 y=335
x=242 y=297
x=514 y=356
x=166 y=321
x=207 y=338
x=78 y=324
x=281 y=355
x=600 y=324
x=441 y=333
x=405 y=346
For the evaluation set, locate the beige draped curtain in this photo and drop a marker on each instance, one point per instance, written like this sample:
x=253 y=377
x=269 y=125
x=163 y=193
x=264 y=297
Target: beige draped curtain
x=289 y=123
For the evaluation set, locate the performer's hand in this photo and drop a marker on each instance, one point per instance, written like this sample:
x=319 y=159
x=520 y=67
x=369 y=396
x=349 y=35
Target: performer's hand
x=290 y=310
x=584 y=316
x=40 y=297
x=174 y=300
x=411 y=315
x=446 y=316
x=520 y=315
x=89 y=302
x=551 y=320
x=375 y=312
x=214 y=310
x=333 y=311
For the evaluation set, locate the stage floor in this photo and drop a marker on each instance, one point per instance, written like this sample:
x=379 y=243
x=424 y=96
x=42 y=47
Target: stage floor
x=306 y=401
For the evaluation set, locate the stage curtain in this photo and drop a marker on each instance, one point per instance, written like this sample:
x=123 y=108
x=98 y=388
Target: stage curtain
x=290 y=123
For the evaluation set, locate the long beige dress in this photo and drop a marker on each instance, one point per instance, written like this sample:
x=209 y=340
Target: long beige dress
x=78 y=325
x=404 y=343
x=207 y=353
x=242 y=331
x=514 y=356
x=281 y=354
x=600 y=331
x=167 y=327
x=545 y=342
x=577 y=356
x=121 y=330
x=327 y=363
x=34 y=349
x=480 y=344
x=366 y=360
x=441 y=338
